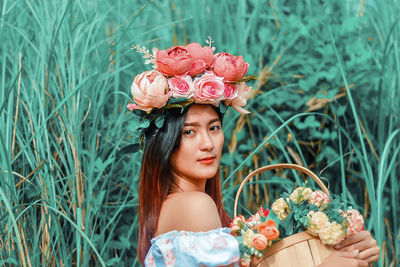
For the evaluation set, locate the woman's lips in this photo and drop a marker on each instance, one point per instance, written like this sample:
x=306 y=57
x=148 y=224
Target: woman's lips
x=208 y=160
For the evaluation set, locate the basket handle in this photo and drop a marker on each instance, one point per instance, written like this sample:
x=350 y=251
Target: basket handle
x=279 y=166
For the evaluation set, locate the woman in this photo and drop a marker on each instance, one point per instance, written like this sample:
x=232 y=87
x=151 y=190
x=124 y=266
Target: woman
x=180 y=191
x=182 y=221
x=180 y=186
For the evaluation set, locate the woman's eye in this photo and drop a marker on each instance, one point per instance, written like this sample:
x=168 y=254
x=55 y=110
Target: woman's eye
x=214 y=128
x=188 y=132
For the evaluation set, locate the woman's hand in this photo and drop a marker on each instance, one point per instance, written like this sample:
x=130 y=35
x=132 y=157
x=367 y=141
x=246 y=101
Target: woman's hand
x=348 y=258
x=364 y=243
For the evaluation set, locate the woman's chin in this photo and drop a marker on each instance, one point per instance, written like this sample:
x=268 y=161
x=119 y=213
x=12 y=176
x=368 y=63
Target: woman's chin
x=209 y=175
x=206 y=171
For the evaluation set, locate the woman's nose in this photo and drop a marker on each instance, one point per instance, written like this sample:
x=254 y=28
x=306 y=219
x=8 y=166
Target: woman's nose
x=206 y=142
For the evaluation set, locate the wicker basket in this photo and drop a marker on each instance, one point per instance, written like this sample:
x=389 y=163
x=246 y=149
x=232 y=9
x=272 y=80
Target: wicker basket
x=298 y=250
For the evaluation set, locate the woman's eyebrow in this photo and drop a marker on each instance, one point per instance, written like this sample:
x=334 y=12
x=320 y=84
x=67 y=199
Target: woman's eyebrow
x=198 y=124
x=191 y=124
x=213 y=120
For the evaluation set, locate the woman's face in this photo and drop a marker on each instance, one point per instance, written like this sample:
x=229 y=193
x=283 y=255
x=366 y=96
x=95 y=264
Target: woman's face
x=199 y=151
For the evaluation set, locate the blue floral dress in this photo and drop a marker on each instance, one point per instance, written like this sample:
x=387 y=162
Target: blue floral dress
x=182 y=248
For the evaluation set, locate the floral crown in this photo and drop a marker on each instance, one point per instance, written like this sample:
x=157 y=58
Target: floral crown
x=183 y=75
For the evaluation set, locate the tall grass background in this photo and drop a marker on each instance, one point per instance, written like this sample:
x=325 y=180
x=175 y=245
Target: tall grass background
x=327 y=97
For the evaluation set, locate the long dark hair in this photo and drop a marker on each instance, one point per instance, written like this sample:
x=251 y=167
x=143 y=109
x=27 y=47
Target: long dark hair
x=156 y=177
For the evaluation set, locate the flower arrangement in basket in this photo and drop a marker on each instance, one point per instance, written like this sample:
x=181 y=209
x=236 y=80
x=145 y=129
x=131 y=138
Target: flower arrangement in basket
x=303 y=209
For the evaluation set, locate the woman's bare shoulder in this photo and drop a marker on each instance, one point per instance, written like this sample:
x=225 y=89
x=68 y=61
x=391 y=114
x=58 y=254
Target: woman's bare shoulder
x=188 y=211
x=192 y=197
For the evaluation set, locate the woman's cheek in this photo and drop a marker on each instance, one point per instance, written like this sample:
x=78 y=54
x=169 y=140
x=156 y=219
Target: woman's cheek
x=221 y=144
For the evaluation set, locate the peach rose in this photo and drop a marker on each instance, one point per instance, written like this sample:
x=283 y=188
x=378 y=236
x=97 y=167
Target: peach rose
x=240 y=101
x=181 y=86
x=175 y=60
x=268 y=229
x=230 y=91
x=201 y=53
x=149 y=90
x=230 y=67
x=198 y=67
x=208 y=88
x=260 y=241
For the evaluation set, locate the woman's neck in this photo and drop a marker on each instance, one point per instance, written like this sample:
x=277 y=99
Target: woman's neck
x=183 y=184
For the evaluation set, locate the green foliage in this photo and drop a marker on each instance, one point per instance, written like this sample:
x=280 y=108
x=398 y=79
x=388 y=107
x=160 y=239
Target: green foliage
x=327 y=97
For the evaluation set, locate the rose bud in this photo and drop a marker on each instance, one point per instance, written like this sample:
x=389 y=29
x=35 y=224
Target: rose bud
x=237 y=224
x=201 y=53
x=240 y=101
x=230 y=67
x=244 y=263
x=198 y=67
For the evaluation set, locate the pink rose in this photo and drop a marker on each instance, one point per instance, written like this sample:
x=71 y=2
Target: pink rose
x=240 y=101
x=230 y=67
x=208 y=88
x=201 y=53
x=175 y=60
x=198 y=67
x=260 y=241
x=237 y=224
x=181 y=86
x=319 y=198
x=355 y=221
x=149 y=90
x=230 y=91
